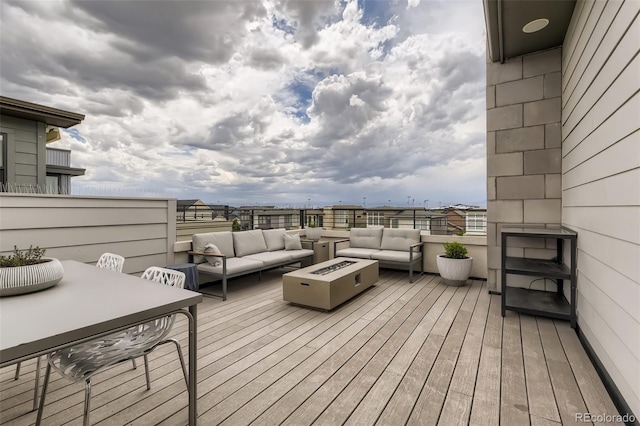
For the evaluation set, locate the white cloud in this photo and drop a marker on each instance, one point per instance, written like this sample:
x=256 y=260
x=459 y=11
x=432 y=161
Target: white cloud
x=245 y=101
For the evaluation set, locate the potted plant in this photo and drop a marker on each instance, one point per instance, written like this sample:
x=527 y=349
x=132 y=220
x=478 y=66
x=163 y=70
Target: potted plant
x=313 y=232
x=26 y=271
x=454 y=265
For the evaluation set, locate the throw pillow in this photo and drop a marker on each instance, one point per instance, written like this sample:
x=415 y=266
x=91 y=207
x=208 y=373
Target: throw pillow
x=292 y=242
x=213 y=249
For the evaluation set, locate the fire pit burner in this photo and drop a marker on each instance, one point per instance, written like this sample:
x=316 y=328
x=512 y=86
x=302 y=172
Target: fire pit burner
x=332 y=268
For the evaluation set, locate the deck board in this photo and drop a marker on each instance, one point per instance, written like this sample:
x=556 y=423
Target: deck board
x=400 y=353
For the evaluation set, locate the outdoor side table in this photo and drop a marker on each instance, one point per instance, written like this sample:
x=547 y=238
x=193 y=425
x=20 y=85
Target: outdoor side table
x=191 y=272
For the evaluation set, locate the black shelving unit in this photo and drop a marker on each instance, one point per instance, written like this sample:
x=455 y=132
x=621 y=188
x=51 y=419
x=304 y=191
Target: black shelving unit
x=552 y=304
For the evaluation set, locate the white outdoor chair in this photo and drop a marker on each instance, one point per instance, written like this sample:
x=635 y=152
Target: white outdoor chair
x=115 y=262
x=80 y=363
x=112 y=261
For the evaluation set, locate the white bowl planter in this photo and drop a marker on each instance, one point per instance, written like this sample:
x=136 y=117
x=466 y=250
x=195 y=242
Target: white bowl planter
x=314 y=233
x=26 y=279
x=454 y=272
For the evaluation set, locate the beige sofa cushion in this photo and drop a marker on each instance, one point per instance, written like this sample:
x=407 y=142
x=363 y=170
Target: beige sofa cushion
x=292 y=242
x=248 y=242
x=274 y=238
x=222 y=240
x=399 y=239
x=271 y=257
x=365 y=238
x=362 y=253
x=395 y=256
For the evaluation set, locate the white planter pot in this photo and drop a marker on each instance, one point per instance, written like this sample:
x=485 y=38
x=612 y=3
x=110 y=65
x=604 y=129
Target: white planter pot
x=454 y=271
x=313 y=233
x=26 y=279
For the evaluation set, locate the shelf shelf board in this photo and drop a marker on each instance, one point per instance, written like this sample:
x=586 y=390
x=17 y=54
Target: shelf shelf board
x=537 y=302
x=537 y=231
x=536 y=267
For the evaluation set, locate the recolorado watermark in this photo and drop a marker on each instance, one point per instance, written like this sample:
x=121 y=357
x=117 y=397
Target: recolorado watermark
x=605 y=418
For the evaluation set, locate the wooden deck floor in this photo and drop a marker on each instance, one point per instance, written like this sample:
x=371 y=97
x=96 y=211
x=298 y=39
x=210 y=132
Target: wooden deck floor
x=400 y=353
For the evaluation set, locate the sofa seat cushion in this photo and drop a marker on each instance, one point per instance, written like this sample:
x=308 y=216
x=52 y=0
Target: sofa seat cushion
x=394 y=256
x=300 y=254
x=362 y=253
x=248 y=242
x=399 y=239
x=274 y=238
x=271 y=257
x=369 y=238
x=235 y=265
x=222 y=240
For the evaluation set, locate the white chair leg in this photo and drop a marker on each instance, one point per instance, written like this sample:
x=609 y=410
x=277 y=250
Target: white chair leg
x=37 y=384
x=133 y=361
x=87 y=403
x=184 y=367
x=44 y=394
x=146 y=372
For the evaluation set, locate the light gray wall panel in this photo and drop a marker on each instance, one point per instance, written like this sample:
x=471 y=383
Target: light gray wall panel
x=82 y=228
x=618 y=126
x=622 y=364
x=601 y=183
x=599 y=193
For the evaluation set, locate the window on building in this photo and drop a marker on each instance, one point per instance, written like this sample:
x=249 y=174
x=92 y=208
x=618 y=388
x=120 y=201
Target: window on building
x=53 y=184
x=422 y=224
x=375 y=220
x=342 y=218
x=476 y=223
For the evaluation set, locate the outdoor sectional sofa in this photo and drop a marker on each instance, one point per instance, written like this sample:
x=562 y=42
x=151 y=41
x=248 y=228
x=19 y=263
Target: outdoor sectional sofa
x=245 y=252
x=392 y=248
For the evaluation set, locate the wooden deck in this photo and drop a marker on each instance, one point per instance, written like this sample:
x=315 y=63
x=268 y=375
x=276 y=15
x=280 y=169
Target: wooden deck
x=400 y=353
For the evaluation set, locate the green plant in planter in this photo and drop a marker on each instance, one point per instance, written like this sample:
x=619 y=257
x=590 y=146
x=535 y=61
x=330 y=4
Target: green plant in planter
x=30 y=256
x=455 y=250
x=235 y=225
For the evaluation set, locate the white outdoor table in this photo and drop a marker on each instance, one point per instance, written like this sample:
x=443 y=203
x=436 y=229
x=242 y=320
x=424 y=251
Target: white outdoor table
x=86 y=303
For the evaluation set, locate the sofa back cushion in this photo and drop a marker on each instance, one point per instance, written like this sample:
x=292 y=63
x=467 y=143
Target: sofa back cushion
x=274 y=238
x=399 y=239
x=365 y=238
x=222 y=240
x=249 y=242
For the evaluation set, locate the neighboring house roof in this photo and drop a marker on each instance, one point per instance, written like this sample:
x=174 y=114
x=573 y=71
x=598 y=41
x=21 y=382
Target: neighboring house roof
x=419 y=213
x=185 y=204
x=30 y=111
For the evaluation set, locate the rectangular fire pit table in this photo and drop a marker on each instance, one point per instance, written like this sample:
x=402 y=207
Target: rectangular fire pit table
x=328 y=284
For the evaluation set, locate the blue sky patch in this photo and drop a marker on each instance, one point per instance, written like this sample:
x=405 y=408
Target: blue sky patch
x=375 y=12
x=283 y=25
x=75 y=134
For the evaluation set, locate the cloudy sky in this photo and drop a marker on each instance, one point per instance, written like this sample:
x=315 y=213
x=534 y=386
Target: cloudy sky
x=260 y=102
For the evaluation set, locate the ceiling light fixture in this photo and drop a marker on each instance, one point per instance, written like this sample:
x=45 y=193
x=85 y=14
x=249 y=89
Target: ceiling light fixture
x=535 y=25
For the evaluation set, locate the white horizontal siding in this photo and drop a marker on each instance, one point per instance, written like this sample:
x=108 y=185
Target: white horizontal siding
x=619 y=158
x=601 y=181
x=622 y=366
x=82 y=228
x=599 y=193
x=614 y=129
